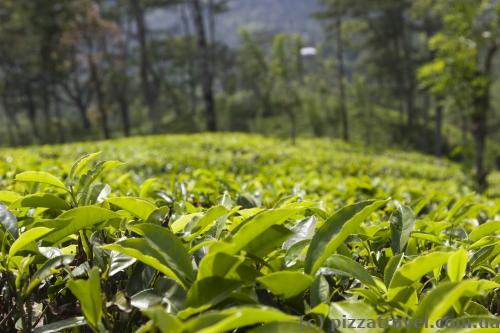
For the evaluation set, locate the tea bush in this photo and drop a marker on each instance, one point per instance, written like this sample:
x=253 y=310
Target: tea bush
x=239 y=233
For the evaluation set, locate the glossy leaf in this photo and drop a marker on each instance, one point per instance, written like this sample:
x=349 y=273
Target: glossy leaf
x=76 y=219
x=402 y=224
x=8 y=221
x=457 y=264
x=88 y=293
x=40 y=177
x=351 y=267
x=61 y=325
x=42 y=200
x=286 y=284
x=440 y=300
x=348 y=311
x=237 y=317
x=138 y=207
x=335 y=230
x=27 y=238
x=171 y=249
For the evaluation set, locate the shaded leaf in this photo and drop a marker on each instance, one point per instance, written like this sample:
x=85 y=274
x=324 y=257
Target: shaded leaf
x=402 y=224
x=88 y=293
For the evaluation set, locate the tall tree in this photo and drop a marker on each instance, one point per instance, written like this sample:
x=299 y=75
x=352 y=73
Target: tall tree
x=148 y=78
x=462 y=68
x=337 y=11
x=93 y=37
x=206 y=70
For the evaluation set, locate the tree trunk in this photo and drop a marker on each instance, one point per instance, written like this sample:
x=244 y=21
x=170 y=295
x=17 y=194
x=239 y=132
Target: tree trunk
x=341 y=75
x=479 y=131
x=193 y=100
x=82 y=110
x=438 y=140
x=59 y=124
x=96 y=82
x=11 y=122
x=31 y=108
x=212 y=37
x=125 y=114
x=293 y=128
x=480 y=120
x=150 y=94
x=409 y=80
x=45 y=88
x=205 y=67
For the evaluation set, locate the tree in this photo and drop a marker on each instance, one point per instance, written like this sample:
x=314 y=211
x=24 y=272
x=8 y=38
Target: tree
x=206 y=70
x=92 y=37
x=462 y=68
x=337 y=10
x=148 y=77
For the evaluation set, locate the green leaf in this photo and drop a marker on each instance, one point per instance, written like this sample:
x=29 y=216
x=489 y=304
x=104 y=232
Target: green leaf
x=89 y=294
x=351 y=267
x=42 y=200
x=445 y=296
x=27 y=238
x=146 y=187
x=119 y=262
x=258 y=225
x=208 y=219
x=486 y=229
x=233 y=318
x=345 y=310
x=61 y=325
x=335 y=230
x=85 y=181
x=270 y=240
x=9 y=221
x=76 y=219
x=288 y=327
x=301 y=231
x=180 y=224
x=402 y=224
x=218 y=264
x=170 y=248
x=413 y=271
x=391 y=268
x=207 y=293
x=8 y=196
x=140 y=249
x=81 y=163
x=320 y=291
x=286 y=284
x=163 y=320
x=145 y=299
x=40 y=177
x=138 y=207
x=47 y=270
x=457 y=264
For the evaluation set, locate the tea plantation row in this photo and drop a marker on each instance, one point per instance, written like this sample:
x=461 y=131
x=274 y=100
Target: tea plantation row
x=240 y=233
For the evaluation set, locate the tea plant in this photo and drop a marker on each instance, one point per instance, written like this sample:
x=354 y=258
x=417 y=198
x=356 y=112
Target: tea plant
x=207 y=239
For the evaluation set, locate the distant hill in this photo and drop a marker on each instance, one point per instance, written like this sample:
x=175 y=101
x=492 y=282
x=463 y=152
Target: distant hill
x=274 y=16
x=291 y=16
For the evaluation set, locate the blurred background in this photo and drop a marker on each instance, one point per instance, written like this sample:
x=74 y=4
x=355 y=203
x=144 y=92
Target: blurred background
x=419 y=75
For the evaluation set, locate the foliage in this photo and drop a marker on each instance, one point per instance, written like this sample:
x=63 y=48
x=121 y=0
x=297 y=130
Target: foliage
x=238 y=233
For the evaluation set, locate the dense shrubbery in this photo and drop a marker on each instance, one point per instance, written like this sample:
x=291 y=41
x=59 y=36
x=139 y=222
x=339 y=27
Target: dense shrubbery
x=235 y=233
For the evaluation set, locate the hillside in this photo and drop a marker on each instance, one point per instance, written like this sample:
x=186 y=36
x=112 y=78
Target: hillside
x=219 y=233
x=315 y=168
